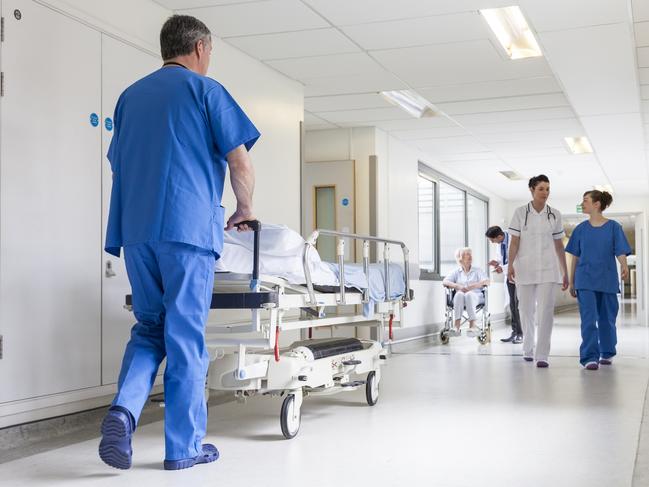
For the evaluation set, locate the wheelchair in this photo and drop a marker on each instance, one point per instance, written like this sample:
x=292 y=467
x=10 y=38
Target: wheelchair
x=483 y=318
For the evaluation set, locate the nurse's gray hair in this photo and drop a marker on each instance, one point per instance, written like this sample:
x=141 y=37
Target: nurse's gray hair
x=179 y=35
x=460 y=252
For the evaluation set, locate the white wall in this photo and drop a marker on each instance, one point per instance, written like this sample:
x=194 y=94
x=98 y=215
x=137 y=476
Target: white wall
x=275 y=105
x=135 y=22
x=397 y=209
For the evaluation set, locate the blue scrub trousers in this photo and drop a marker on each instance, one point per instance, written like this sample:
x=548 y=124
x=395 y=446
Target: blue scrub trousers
x=598 y=312
x=172 y=290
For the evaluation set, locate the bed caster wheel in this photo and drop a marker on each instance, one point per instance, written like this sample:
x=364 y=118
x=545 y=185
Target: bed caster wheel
x=372 y=389
x=290 y=417
x=444 y=337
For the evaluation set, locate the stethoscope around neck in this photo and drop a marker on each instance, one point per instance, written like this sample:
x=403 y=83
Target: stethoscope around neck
x=548 y=211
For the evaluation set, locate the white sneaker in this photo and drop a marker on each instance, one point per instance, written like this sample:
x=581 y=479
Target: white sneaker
x=473 y=331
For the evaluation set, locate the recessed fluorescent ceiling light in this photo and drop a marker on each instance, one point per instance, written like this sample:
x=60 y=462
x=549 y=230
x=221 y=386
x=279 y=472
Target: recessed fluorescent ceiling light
x=513 y=175
x=411 y=102
x=579 y=145
x=512 y=31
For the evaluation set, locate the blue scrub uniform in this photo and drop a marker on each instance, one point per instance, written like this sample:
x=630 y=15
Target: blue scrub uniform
x=173 y=130
x=597 y=285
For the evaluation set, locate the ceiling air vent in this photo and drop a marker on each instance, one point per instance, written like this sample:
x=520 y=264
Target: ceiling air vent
x=513 y=175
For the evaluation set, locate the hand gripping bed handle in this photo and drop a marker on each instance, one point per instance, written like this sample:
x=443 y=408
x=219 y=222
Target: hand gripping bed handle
x=255 y=226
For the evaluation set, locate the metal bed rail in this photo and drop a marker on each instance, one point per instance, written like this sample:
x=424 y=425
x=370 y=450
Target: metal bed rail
x=340 y=252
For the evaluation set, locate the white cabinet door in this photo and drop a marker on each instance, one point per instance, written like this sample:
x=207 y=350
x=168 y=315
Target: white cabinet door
x=122 y=65
x=50 y=202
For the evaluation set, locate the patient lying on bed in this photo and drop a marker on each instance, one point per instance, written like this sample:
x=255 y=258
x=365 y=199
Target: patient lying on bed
x=280 y=255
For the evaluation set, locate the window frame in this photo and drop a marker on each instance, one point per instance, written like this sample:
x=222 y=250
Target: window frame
x=436 y=177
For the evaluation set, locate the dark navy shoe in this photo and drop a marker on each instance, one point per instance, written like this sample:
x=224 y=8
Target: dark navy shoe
x=542 y=364
x=528 y=359
x=115 y=447
x=210 y=454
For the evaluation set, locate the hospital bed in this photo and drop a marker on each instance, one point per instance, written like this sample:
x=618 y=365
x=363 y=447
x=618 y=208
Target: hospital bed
x=246 y=357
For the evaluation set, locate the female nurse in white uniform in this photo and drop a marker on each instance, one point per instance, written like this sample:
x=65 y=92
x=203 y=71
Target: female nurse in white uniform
x=537 y=264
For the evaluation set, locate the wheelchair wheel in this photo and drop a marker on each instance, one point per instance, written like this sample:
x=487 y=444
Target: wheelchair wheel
x=444 y=337
x=485 y=336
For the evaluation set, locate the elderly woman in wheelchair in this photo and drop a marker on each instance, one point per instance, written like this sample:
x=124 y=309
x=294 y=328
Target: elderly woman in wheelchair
x=466 y=290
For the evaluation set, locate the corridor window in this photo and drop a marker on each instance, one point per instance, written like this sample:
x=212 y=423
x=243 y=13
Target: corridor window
x=452 y=234
x=477 y=217
x=451 y=216
x=427 y=241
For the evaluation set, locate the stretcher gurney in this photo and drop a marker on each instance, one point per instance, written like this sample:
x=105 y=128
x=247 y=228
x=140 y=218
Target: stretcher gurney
x=246 y=357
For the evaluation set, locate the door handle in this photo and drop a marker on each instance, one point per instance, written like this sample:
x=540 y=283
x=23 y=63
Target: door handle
x=109 y=272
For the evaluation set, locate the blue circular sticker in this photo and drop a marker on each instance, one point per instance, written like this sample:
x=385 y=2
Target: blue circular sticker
x=345 y=201
x=94 y=119
x=108 y=123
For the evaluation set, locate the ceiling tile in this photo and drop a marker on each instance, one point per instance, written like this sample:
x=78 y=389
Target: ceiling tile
x=632 y=187
x=543 y=137
x=567 y=125
x=364 y=116
x=504 y=104
x=429 y=133
x=490 y=89
x=415 y=124
x=316 y=42
x=553 y=15
x=184 y=4
x=450 y=145
x=640 y=10
x=619 y=143
x=471 y=61
x=439 y=29
x=258 y=18
x=515 y=116
x=593 y=86
x=345 y=102
x=350 y=84
x=327 y=66
x=474 y=156
x=345 y=12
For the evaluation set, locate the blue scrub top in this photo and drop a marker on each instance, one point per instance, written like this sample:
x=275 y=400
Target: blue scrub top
x=597 y=248
x=172 y=132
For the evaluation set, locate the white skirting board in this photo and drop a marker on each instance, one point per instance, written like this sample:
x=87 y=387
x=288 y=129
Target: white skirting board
x=29 y=410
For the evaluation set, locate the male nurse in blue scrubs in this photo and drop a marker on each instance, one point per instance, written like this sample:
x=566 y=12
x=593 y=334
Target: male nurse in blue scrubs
x=176 y=133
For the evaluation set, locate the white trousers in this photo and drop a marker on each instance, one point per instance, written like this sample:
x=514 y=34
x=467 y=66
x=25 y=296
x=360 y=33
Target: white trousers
x=536 y=301
x=469 y=301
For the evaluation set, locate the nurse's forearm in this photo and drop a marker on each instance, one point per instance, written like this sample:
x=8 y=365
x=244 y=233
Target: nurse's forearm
x=573 y=267
x=513 y=249
x=242 y=178
x=561 y=253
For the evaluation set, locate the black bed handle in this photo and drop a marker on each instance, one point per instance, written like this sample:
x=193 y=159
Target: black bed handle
x=255 y=226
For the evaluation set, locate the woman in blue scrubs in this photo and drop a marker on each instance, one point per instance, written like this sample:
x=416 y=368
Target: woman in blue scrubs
x=595 y=244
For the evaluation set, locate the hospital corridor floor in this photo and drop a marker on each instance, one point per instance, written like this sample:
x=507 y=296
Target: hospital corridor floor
x=459 y=415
